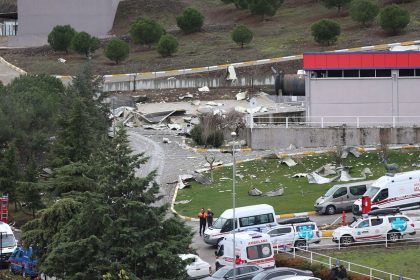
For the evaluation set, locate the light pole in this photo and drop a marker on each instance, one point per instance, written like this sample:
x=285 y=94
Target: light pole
x=233 y=134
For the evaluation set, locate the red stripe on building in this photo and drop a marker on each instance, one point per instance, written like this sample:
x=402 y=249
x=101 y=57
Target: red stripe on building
x=361 y=60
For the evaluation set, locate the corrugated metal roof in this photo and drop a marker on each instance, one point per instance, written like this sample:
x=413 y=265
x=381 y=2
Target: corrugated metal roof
x=361 y=60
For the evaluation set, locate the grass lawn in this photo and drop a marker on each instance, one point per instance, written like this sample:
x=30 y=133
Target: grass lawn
x=269 y=174
x=401 y=261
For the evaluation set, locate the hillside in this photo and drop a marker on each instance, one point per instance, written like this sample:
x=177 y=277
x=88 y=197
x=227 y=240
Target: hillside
x=287 y=33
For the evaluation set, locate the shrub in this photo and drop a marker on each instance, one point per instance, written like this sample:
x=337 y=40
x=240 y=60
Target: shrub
x=167 y=45
x=363 y=11
x=215 y=139
x=264 y=7
x=325 y=31
x=85 y=44
x=242 y=35
x=60 y=37
x=146 y=31
x=196 y=134
x=339 y=4
x=393 y=18
x=117 y=50
x=190 y=21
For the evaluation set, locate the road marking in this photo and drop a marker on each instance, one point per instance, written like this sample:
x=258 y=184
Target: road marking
x=263 y=60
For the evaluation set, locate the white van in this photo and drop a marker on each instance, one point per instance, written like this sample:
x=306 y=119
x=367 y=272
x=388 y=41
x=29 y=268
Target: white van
x=400 y=190
x=251 y=247
x=8 y=244
x=249 y=218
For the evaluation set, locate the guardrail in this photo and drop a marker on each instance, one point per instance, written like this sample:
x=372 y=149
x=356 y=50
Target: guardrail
x=332 y=121
x=308 y=253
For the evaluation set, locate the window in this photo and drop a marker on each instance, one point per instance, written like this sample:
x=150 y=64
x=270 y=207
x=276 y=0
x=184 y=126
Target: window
x=351 y=73
x=358 y=190
x=245 y=269
x=340 y=192
x=383 y=73
x=319 y=74
x=381 y=195
x=334 y=73
x=256 y=220
x=367 y=73
x=394 y=219
x=376 y=222
x=363 y=224
x=258 y=251
x=417 y=72
x=406 y=73
x=280 y=231
x=228 y=226
x=220 y=251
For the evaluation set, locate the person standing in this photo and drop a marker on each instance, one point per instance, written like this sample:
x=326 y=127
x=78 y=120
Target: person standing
x=333 y=273
x=203 y=220
x=209 y=217
x=342 y=273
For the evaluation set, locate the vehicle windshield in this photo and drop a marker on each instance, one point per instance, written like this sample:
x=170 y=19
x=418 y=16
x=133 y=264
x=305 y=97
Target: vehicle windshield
x=221 y=272
x=331 y=191
x=8 y=240
x=354 y=223
x=219 y=223
x=371 y=191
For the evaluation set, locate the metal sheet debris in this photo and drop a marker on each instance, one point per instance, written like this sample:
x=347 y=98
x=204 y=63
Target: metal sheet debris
x=183 y=201
x=288 y=161
x=277 y=192
x=241 y=95
x=315 y=178
x=204 y=89
x=159 y=117
x=200 y=178
x=254 y=192
x=326 y=170
x=350 y=150
x=299 y=175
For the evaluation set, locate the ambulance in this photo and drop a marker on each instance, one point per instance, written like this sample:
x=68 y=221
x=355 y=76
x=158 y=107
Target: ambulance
x=250 y=248
x=8 y=242
x=400 y=190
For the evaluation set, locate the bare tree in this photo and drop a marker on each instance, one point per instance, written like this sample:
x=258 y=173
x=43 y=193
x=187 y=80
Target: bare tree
x=210 y=158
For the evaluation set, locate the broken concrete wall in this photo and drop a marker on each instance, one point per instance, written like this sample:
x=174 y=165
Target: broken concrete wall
x=187 y=82
x=277 y=138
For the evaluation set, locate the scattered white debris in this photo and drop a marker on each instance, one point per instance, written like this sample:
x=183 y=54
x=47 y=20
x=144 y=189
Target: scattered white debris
x=196 y=102
x=166 y=140
x=204 y=89
x=62 y=60
x=212 y=103
x=241 y=95
x=299 y=175
x=183 y=201
x=289 y=162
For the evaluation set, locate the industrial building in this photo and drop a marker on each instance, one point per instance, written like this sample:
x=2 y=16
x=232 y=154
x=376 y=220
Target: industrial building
x=362 y=88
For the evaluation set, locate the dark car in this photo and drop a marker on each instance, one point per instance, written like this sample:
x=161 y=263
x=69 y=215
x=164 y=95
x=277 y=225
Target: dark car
x=243 y=272
x=281 y=271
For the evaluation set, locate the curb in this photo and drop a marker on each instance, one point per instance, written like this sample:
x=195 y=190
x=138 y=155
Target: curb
x=326 y=233
x=252 y=62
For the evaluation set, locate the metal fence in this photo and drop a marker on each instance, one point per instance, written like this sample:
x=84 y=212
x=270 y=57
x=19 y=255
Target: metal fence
x=312 y=253
x=270 y=120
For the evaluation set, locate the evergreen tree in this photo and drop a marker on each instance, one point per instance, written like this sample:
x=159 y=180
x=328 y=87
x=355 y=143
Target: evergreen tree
x=242 y=35
x=85 y=44
x=117 y=50
x=393 y=19
x=190 y=21
x=60 y=37
x=9 y=175
x=363 y=11
x=326 y=31
x=339 y=4
x=29 y=190
x=146 y=31
x=264 y=7
x=167 y=45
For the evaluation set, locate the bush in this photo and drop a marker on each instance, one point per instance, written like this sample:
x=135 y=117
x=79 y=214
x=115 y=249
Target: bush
x=214 y=138
x=325 y=31
x=60 y=37
x=393 y=18
x=85 y=44
x=167 y=45
x=196 y=134
x=264 y=7
x=117 y=50
x=242 y=35
x=319 y=270
x=363 y=11
x=339 y=4
x=190 y=21
x=146 y=31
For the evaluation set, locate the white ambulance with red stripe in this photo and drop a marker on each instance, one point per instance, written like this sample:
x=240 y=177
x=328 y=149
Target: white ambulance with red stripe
x=250 y=248
x=400 y=190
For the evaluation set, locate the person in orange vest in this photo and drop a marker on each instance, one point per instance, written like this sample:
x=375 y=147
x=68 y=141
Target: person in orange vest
x=238 y=260
x=203 y=220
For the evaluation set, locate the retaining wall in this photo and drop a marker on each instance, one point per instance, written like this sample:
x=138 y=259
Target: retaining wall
x=276 y=138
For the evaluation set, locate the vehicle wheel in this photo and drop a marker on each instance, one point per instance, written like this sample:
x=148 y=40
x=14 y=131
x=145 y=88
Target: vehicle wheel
x=330 y=210
x=301 y=244
x=346 y=240
x=393 y=236
x=217 y=266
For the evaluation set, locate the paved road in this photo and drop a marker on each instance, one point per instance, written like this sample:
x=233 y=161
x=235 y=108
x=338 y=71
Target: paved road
x=7 y=74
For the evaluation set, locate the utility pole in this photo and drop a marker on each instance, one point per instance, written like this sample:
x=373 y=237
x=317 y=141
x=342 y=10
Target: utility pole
x=233 y=134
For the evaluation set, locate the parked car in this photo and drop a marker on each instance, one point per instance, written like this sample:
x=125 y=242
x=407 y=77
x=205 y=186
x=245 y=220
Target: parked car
x=196 y=267
x=281 y=271
x=22 y=262
x=341 y=197
x=243 y=272
x=295 y=232
x=377 y=226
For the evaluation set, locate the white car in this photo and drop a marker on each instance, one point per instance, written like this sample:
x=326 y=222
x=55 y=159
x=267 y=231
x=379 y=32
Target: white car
x=375 y=227
x=299 y=233
x=296 y=278
x=197 y=268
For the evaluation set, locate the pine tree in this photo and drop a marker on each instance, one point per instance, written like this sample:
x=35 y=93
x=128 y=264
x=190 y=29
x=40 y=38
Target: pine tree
x=9 y=175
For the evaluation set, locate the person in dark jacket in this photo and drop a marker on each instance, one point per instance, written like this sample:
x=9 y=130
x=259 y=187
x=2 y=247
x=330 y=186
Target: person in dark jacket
x=342 y=273
x=334 y=273
x=209 y=217
x=203 y=220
